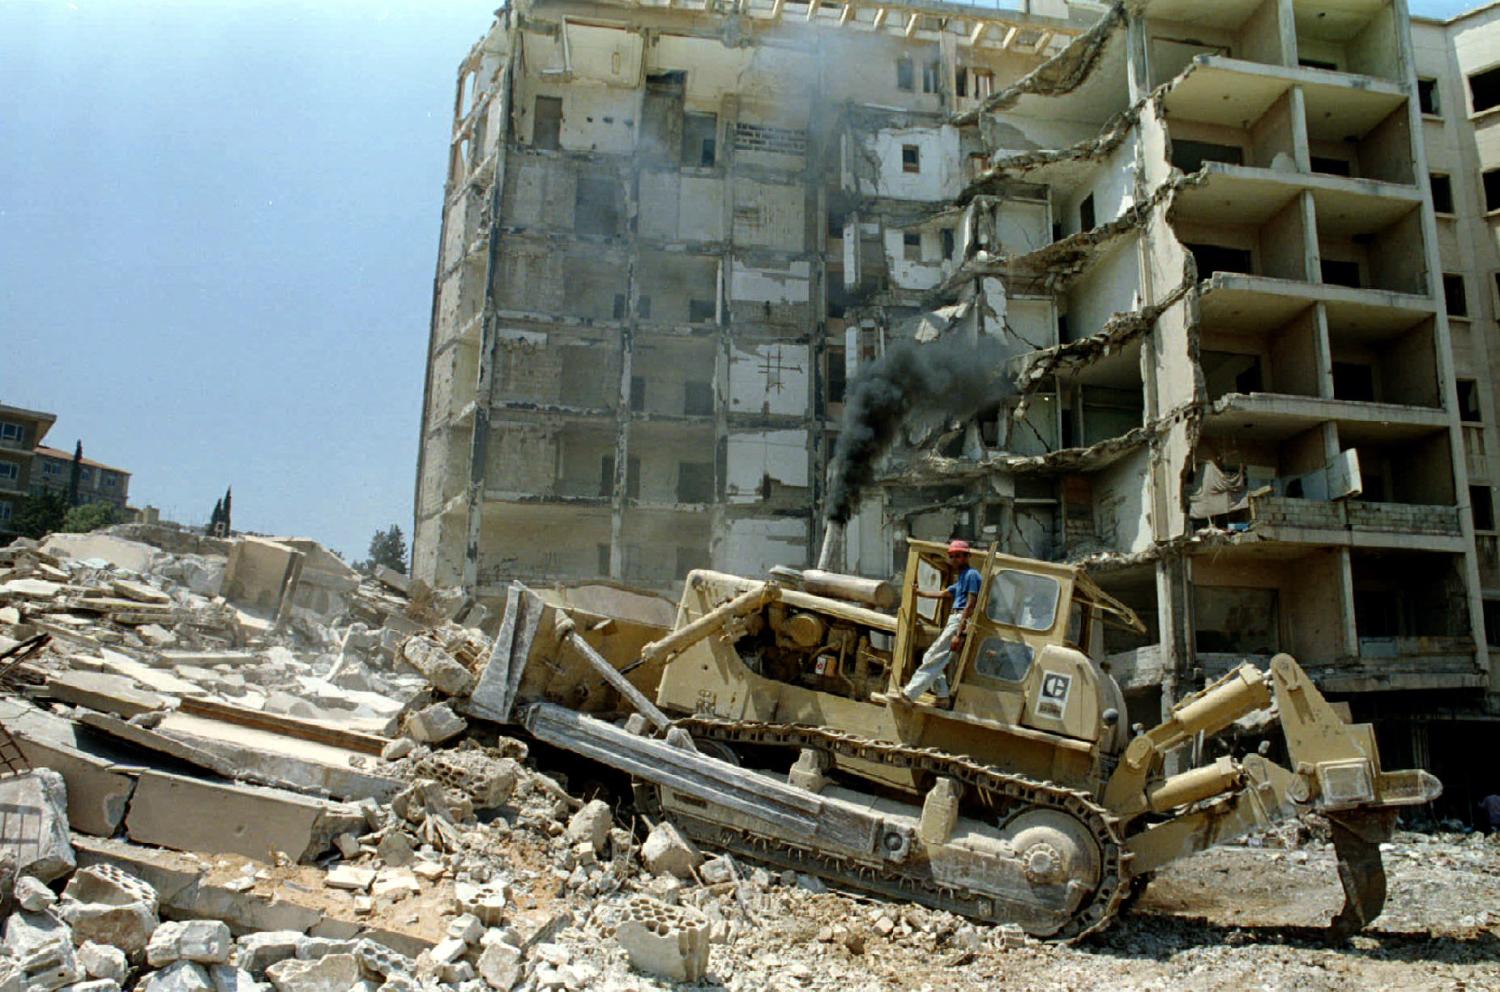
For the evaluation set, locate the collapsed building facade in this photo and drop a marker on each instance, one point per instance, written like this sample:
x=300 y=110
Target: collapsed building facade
x=1199 y=238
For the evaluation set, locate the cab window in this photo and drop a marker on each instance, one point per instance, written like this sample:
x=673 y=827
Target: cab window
x=1078 y=625
x=1002 y=659
x=1023 y=599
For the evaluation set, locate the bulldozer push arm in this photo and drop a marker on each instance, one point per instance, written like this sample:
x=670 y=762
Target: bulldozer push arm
x=1335 y=770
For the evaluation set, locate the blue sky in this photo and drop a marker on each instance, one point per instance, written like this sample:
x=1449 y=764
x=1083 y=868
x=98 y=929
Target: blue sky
x=218 y=228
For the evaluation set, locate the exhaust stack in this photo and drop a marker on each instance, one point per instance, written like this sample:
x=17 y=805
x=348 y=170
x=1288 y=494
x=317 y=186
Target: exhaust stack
x=833 y=547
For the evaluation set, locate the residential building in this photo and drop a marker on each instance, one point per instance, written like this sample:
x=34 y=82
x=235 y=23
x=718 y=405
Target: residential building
x=97 y=482
x=1197 y=240
x=20 y=432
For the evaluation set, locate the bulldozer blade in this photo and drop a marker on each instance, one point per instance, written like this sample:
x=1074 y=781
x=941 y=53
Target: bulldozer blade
x=1357 y=836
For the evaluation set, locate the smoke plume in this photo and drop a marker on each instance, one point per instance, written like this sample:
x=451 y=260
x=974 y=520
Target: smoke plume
x=951 y=376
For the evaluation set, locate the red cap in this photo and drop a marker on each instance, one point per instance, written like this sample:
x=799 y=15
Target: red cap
x=955 y=547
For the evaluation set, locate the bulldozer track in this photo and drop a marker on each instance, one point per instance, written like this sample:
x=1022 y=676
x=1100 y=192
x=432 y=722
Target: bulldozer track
x=999 y=790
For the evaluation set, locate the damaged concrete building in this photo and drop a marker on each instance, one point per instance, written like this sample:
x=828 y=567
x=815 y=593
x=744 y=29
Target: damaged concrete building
x=1201 y=236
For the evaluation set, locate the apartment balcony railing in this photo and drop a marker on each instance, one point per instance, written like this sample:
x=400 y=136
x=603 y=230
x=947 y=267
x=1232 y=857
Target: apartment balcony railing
x=1440 y=652
x=1388 y=518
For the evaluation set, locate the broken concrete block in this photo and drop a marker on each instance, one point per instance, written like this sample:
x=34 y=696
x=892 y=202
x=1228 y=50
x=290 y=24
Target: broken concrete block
x=36 y=827
x=95 y=985
x=187 y=814
x=227 y=978
x=42 y=947
x=379 y=961
x=669 y=941
x=487 y=780
x=33 y=895
x=397 y=749
x=97 y=795
x=351 y=878
x=30 y=589
x=180 y=976
x=449 y=950
x=435 y=724
x=348 y=844
x=666 y=851
x=204 y=941
x=466 y=928
x=132 y=556
x=103 y=961
x=109 y=906
x=262 y=575
x=311 y=948
x=395 y=885
x=258 y=951
x=717 y=870
x=395 y=850
x=591 y=824
x=500 y=966
x=486 y=901
x=104 y=692
x=331 y=973
x=437 y=666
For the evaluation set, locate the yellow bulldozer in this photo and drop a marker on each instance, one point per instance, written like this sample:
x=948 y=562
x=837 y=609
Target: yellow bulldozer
x=762 y=723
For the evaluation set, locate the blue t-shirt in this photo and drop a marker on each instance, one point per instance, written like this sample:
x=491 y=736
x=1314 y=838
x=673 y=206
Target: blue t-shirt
x=967 y=585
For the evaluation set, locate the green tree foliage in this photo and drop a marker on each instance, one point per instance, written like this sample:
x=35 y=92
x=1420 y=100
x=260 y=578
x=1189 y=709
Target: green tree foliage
x=388 y=548
x=89 y=516
x=41 y=513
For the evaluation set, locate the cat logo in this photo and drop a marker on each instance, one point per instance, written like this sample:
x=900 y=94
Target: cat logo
x=1052 y=695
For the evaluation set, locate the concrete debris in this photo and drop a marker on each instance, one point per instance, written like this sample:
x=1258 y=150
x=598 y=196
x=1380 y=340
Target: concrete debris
x=35 y=839
x=106 y=905
x=670 y=941
x=204 y=941
x=454 y=865
x=667 y=852
x=32 y=895
x=101 y=961
x=591 y=825
x=330 y=973
x=435 y=724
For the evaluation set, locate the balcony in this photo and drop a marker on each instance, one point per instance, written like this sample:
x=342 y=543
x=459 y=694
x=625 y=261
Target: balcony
x=1240 y=302
x=1237 y=194
x=1356 y=523
x=1276 y=417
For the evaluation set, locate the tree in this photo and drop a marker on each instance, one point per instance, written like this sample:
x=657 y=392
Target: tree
x=89 y=516
x=388 y=548
x=75 y=473
x=218 y=521
x=41 y=513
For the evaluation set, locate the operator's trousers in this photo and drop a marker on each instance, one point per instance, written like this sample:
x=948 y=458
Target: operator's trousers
x=932 y=673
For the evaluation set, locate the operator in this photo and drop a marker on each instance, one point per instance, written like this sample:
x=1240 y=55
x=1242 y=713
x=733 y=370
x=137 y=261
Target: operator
x=965 y=594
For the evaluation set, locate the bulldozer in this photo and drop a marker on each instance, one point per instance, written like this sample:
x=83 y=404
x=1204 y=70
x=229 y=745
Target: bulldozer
x=761 y=723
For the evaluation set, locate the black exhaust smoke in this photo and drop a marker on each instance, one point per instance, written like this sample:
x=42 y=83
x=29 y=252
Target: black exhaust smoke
x=951 y=376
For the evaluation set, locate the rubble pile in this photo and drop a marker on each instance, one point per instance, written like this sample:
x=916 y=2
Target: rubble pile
x=238 y=765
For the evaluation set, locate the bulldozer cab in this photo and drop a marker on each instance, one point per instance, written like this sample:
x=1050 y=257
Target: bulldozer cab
x=1026 y=658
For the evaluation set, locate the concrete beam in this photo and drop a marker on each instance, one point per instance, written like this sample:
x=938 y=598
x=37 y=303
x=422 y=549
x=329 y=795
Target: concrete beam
x=187 y=814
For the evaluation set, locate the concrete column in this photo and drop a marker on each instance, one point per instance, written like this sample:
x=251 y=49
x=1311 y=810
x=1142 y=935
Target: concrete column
x=1443 y=342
